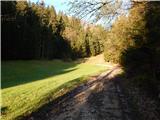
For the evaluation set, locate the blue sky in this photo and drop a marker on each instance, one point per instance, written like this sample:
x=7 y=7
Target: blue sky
x=59 y=5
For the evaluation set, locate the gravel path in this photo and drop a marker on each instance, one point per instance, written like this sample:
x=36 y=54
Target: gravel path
x=99 y=99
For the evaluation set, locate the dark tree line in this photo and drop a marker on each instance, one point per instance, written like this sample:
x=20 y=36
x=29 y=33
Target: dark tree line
x=134 y=42
x=36 y=31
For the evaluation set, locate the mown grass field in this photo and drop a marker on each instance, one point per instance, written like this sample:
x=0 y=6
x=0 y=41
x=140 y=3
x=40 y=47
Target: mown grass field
x=27 y=85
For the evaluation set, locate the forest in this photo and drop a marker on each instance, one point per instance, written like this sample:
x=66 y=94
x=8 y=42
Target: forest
x=34 y=34
x=36 y=31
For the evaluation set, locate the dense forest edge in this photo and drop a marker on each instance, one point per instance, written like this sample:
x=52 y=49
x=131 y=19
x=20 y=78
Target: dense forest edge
x=135 y=44
x=34 y=31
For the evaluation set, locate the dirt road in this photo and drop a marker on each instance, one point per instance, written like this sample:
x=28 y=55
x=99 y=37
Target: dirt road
x=99 y=99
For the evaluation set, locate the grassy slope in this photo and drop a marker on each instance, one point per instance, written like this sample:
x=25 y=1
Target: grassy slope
x=26 y=85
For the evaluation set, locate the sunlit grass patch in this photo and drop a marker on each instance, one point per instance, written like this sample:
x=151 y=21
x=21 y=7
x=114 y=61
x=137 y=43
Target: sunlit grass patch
x=27 y=85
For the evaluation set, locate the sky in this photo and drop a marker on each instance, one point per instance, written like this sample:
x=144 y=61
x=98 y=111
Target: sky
x=59 y=5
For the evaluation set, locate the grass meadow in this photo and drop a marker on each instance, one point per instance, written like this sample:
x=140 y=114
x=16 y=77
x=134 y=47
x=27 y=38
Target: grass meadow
x=27 y=85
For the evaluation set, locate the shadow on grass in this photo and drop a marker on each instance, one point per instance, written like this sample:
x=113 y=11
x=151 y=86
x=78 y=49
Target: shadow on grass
x=64 y=92
x=21 y=72
x=71 y=89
